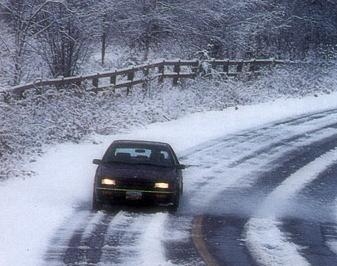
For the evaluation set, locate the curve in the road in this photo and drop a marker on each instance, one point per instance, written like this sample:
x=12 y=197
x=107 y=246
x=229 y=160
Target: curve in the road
x=269 y=153
x=287 y=164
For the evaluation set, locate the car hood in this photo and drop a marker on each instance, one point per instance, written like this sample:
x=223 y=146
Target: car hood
x=148 y=172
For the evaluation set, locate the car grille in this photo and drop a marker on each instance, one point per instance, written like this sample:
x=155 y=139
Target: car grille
x=134 y=183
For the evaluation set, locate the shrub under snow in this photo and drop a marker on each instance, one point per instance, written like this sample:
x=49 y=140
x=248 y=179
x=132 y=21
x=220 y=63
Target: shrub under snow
x=71 y=114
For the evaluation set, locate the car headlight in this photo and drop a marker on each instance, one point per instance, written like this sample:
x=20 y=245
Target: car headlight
x=161 y=185
x=108 y=182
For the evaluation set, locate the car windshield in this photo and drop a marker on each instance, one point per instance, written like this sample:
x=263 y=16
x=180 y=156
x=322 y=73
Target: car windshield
x=139 y=154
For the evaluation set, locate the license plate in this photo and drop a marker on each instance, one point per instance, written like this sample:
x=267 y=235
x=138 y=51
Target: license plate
x=133 y=195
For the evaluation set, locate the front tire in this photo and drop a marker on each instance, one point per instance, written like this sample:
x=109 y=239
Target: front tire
x=175 y=202
x=96 y=205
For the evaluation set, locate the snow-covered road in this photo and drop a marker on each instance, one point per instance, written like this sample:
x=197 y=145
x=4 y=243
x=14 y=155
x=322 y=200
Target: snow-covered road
x=252 y=167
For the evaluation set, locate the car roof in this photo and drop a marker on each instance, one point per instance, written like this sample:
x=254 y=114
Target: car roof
x=141 y=142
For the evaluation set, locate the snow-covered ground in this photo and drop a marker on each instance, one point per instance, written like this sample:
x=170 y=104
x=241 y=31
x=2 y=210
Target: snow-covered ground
x=32 y=208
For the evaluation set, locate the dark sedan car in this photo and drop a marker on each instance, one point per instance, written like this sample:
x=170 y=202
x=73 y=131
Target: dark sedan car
x=138 y=171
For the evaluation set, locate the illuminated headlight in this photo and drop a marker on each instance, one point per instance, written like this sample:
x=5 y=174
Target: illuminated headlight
x=108 y=182
x=161 y=185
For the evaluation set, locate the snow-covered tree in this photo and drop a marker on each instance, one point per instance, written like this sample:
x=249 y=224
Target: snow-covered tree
x=64 y=32
x=20 y=16
x=63 y=36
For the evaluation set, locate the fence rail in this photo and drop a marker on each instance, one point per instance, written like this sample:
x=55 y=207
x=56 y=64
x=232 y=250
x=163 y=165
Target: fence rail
x=142 y=74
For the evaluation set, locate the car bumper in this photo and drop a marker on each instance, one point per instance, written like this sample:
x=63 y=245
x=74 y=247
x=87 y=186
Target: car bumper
x=116 y=194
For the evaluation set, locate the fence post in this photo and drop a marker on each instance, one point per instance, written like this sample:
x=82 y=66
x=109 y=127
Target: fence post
x=79 y=83
x=213 y=64
x=130 y=77
x=196 y=69
x=273 y=64
x=113 y=79
x=146 y=71
x=161 y=69
x=19 y=92
x=226 y=66
x=176 y=69
x=252 y=67
x=95 y=83
x=239 y=66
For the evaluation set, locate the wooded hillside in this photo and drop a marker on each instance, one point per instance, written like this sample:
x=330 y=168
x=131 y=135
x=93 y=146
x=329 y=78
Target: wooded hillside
x=54 y=38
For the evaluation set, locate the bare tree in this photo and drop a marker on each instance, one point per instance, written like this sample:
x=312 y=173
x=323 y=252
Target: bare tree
x=64 y=38
x=19 y=15
x=64 y=32
x=141 y=24
x=22 y=17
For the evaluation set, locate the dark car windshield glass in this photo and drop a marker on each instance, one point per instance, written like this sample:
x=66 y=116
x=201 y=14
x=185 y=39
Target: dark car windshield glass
x=137 y=154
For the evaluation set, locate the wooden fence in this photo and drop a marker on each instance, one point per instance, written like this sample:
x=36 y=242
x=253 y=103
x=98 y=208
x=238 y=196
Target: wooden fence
x=142 y=74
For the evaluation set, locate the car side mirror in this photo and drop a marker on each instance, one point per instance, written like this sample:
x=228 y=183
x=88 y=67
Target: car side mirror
x=97 y=161
x=181 y=166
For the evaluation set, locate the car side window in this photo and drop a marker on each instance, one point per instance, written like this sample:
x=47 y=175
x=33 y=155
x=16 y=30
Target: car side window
x=165 y=155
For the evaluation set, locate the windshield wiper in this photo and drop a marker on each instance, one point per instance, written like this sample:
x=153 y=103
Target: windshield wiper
x=153 y=164
x=116 y=161
x=138 y=163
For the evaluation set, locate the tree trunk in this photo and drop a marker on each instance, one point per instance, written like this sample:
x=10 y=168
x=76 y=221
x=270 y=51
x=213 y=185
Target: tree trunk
x=104 y=30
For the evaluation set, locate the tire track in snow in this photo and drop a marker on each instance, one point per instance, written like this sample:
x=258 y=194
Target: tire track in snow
x=273 y=165
x=307 y=117
x=178 y=241
x=312 y=221
x=241 y=202
x=223 y=236
x=279 y=143
x=236 y=142
x=135 y=239
x=319 y=196
x=59 y=244
x=247 y=135
x=265 y=237
x=239 y=149
x=330 y=234
x=86 y=247
x=313 y=237
x=287 y=165
x=79 y=240
x=103 y=238
x=115 y=237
